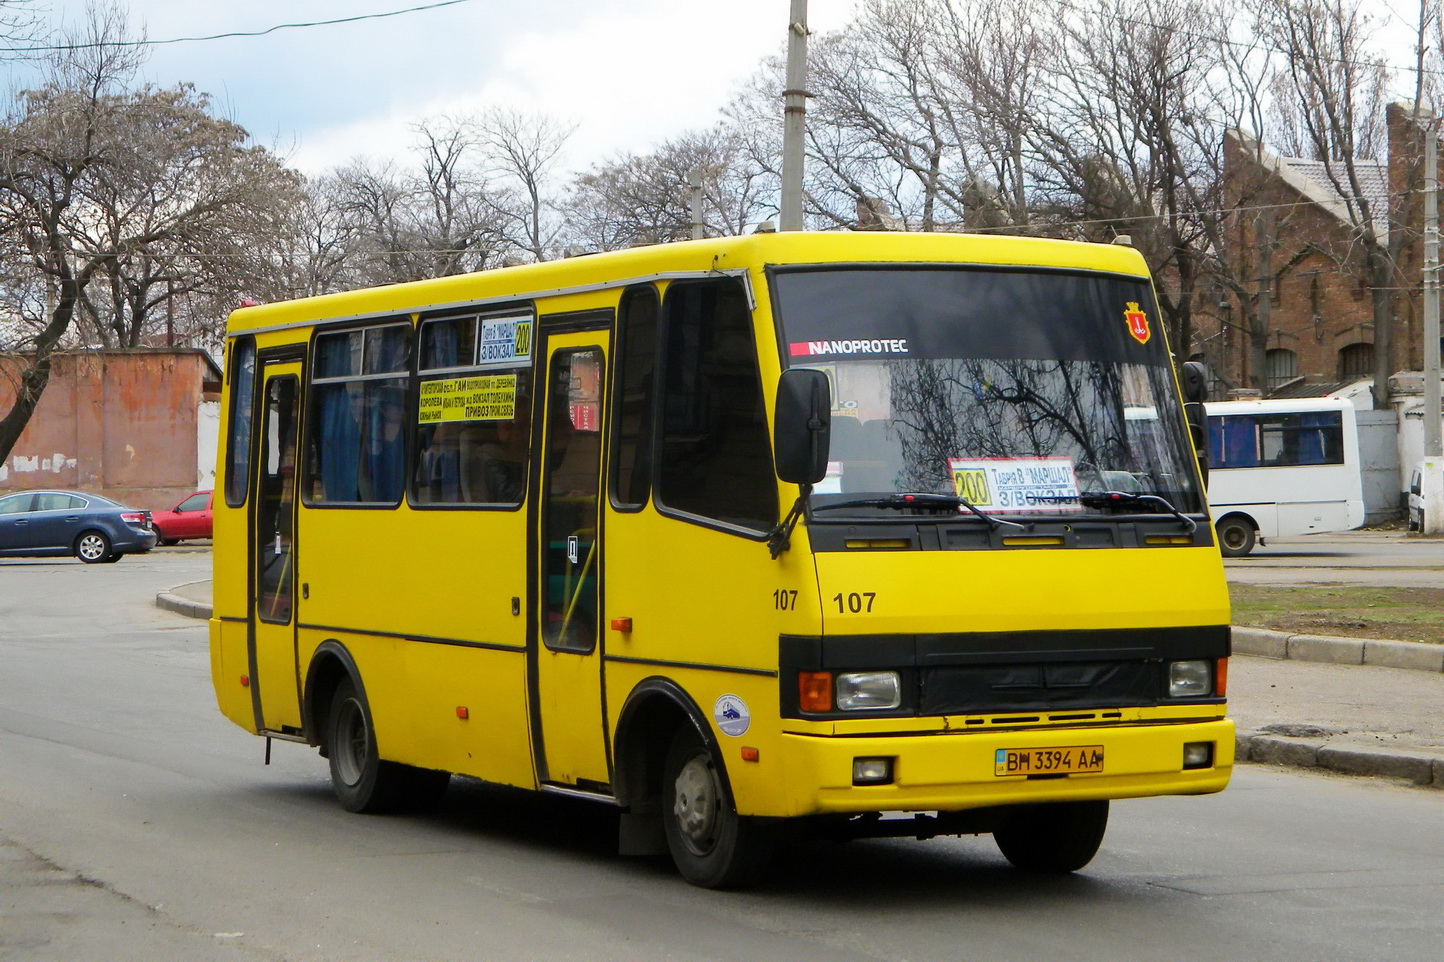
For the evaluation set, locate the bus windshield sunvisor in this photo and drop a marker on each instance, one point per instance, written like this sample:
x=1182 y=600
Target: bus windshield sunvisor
x=1016 y=390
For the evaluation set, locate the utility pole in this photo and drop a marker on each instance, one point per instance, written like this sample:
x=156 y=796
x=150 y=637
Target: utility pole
x=794 y=118
x=694 y=184
x=1432 y=488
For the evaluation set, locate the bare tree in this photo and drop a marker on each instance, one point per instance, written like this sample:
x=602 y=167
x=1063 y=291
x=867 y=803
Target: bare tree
x=138 y=189
x=643 y=199
x=436 y=219
x=205 y=200
x=1330 y=87
x=314 y=251
x=1132 y=136
x=523 y=150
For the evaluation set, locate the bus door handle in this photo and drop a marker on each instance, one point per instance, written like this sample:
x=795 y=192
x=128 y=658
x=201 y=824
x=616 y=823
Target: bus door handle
x=573 y=549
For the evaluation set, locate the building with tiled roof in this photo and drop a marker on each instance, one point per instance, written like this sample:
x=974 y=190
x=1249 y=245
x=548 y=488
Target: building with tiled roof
x=1319 y=315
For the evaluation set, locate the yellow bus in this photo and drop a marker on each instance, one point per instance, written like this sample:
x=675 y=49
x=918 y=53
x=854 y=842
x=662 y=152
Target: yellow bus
x=870 y=534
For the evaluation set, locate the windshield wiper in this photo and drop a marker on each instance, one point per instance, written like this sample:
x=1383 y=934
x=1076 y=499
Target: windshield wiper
x=934 y=502
x=1132 y=499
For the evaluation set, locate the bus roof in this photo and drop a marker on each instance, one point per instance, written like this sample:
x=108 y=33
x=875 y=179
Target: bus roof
x=1277 y=405
x=713 y=255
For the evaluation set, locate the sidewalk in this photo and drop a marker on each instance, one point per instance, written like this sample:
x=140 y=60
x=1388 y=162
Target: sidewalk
x=1356 y=707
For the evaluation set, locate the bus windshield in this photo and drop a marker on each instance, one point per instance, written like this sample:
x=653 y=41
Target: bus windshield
x=1021 y=391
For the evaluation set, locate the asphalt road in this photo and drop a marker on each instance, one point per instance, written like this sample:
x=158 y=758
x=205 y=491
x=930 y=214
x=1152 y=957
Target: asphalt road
x=136 y=823
x=1391 y=558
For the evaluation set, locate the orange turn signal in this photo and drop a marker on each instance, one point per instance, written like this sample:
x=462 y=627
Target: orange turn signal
x=463 y=712
x=1220 y=678
x=750 y=754
x=814 y=691
x=623 y=625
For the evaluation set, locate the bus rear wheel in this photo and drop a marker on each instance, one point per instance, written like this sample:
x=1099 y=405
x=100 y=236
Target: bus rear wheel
x=361 y=780
x=711 y=844
x=1235 y=536
x=1057 y=837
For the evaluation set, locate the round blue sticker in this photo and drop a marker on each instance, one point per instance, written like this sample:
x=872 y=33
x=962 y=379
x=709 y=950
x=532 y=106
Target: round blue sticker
x=732 y=715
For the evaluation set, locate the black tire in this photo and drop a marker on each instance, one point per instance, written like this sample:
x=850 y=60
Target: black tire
x=711 y=844
x=93 y=547
x=167 y=542
x=1235 y=536
x=361 y=780
x=1057 y=837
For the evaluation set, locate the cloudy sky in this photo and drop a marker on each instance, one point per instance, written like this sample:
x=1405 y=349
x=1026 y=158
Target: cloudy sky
x=630 y=72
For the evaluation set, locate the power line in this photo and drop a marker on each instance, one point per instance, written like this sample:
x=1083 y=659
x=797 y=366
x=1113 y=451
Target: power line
x=232 y=34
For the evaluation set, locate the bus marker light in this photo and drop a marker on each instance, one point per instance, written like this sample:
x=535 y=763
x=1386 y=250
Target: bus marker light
x=463 y=712
x=245 y=681
x=814 y=691
x=750 y=754
x=623 y=625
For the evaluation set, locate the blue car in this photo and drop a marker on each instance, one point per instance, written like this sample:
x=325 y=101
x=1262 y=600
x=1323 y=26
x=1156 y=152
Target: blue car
x=94 y=529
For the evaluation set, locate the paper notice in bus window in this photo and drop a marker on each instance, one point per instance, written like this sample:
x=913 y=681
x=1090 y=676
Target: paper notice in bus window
x=505 y=341
x=488 y=397
x=1016 y=484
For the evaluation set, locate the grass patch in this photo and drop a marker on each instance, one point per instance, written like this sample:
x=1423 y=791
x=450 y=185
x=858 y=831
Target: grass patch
x=1356 y=611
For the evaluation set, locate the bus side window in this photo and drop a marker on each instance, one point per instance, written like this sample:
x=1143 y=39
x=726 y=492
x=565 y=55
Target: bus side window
x=357 y=436
x=633 y=398
x=238 y=440
x=716 y=457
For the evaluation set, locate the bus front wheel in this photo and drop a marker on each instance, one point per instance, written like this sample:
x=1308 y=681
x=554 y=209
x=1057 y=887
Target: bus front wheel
x=1058 y=837
x=1235 y=536
x=711 y=844
x=361 y=780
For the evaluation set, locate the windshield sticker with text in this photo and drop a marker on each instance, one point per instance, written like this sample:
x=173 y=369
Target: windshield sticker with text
x=1015 y=484
x=860 y=345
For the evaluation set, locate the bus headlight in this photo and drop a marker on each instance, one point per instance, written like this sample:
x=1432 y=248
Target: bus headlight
x=868 y=690
x=1189 y=679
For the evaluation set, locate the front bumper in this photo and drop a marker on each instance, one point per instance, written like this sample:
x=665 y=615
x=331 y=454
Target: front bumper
x=954 y=771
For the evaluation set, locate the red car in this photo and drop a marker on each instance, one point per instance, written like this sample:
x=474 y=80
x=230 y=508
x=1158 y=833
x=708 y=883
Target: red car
x=189 y=519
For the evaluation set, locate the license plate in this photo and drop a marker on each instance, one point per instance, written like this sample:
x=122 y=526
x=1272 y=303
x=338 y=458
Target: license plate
x=1074 y=760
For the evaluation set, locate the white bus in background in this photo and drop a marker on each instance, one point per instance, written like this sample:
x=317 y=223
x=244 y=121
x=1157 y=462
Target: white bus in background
x=1280 y=468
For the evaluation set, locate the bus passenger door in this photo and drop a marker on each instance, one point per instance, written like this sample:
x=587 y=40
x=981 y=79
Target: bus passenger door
x=568 y=721
x=274 y=685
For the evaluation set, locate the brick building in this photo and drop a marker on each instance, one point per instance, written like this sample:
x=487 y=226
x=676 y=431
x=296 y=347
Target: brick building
x=138 y=426
x=1296 y=246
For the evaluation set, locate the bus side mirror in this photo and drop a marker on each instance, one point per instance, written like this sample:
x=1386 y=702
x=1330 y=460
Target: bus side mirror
x=1197 y=417
x=801 y=426
x=1193 y=379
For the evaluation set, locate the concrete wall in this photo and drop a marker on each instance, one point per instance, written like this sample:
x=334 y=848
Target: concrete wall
x=125 y=424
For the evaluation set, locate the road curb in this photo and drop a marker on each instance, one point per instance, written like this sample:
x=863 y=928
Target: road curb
x=1265 y=643
x=1268 y=748
x=171 y=601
